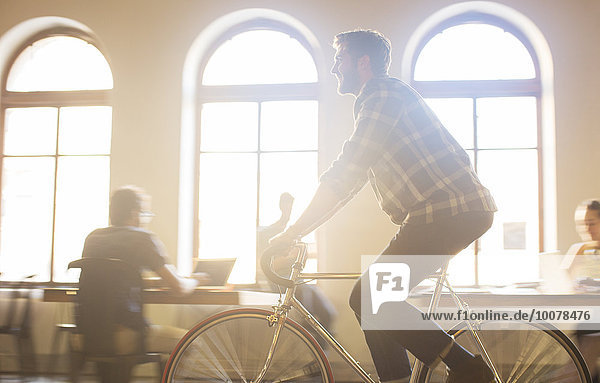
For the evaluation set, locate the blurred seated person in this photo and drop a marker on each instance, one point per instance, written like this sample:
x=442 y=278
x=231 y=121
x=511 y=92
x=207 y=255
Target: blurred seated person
x=583 y=265
x=127 y=240
x=309 y=295
x=582 y=261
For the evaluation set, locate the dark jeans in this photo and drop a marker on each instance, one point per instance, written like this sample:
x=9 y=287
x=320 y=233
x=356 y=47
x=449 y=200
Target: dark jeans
x=438 y=241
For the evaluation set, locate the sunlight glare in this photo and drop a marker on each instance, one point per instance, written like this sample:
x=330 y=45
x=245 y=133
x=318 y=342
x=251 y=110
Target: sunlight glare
x=506 y=122
x=474 y=52
x=27 y=207
x=229 y=126
x=82 y=197
x=20 y=124
x=59 y=63
x=85 y=130
x=227 y=211
x=260 y=57
x=511 y=175
x=289 y=125
x=457 y=116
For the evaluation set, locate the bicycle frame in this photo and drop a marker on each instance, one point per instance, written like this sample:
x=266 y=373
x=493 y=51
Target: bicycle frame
x=441 y=282
x=290 y=301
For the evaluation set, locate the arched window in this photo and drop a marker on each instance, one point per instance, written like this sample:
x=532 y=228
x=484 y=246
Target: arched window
x=258 y=138
x=481 y=76
x=56 y=125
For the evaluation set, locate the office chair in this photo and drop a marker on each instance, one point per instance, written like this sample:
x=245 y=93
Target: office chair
x=61 y=331
x=108 y=290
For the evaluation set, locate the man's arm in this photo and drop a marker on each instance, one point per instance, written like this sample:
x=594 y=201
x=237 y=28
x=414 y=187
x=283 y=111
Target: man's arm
x=179 y=285
x=153 y=251
x=324 y=204
x=348 y=173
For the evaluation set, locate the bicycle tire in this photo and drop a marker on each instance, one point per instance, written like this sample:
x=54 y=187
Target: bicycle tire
x=232 y=346
x=522 y=353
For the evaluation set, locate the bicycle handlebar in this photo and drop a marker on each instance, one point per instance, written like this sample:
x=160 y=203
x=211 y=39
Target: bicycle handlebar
x=265 y=264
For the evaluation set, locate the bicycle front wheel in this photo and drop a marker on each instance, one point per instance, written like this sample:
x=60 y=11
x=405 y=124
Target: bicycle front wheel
x=522 y=353
x=232 y=347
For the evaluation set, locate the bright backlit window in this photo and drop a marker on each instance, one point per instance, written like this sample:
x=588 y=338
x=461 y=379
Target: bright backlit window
x=474 y=52
x=482 y=82
x=256 y=142
x=59 y=63
x=56 y=156
x=263 y=57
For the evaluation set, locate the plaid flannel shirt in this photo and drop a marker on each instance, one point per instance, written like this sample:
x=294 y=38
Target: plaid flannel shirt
x=415 y=166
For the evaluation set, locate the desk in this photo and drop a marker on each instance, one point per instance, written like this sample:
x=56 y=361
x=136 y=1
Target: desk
x=200 y=296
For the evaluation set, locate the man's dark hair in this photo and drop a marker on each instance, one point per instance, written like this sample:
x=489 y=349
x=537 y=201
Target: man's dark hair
x=123 y=201
x=591 y=204
x=368 y=42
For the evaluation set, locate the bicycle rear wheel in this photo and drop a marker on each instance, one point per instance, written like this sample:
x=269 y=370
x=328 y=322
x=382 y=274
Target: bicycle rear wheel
x=522 y=353
x=232 y=347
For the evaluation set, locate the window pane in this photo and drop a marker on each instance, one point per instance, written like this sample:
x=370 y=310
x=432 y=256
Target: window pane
x=81 y=206
x=512 y=177
x=294 y=173
x=474 y=52
x=461 y=269
x=289 y=125
x=21 y=124
x=507 y=122
x=457 y=116
x=27 y=203
x=57 y=64
x=85 y=130
x=227 y=211
x=260 y=57
x=229 y=126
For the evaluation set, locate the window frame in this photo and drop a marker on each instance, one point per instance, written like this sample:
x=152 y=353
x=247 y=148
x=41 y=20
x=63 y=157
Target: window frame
x=477 y=89
x=256 y=93
x=52 y=99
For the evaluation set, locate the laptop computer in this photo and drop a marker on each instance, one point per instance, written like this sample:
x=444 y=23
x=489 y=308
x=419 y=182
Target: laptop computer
x=218 y=269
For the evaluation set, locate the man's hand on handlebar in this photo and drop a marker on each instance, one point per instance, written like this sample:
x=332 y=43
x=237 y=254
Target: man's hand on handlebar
x=284 y=240
x=278 y=256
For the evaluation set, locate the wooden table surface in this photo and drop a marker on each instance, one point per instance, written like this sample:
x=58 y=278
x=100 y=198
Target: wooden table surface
x=200 y=296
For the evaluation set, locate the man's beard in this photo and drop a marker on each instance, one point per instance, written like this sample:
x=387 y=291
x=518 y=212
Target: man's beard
x=348 y=84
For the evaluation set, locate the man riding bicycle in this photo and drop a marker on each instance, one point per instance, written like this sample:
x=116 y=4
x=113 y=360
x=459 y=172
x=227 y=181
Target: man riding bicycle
x=422 y=179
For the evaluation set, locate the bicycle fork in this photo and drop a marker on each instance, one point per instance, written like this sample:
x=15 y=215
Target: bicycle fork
x=277 y=319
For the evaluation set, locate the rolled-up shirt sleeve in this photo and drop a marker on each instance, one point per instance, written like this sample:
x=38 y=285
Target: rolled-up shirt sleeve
x=373 y=122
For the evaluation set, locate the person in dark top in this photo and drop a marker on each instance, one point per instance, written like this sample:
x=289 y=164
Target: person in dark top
x=424 y=181
x=127 y=240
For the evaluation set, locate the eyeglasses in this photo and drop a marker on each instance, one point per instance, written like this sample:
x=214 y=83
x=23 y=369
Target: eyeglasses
x=146 y=214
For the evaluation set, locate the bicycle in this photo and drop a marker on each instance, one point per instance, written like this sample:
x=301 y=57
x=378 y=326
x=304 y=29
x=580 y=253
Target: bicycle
x=256 y=345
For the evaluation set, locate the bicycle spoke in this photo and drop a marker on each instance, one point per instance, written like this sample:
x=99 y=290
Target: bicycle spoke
x=523 y=353
x=235 y=350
